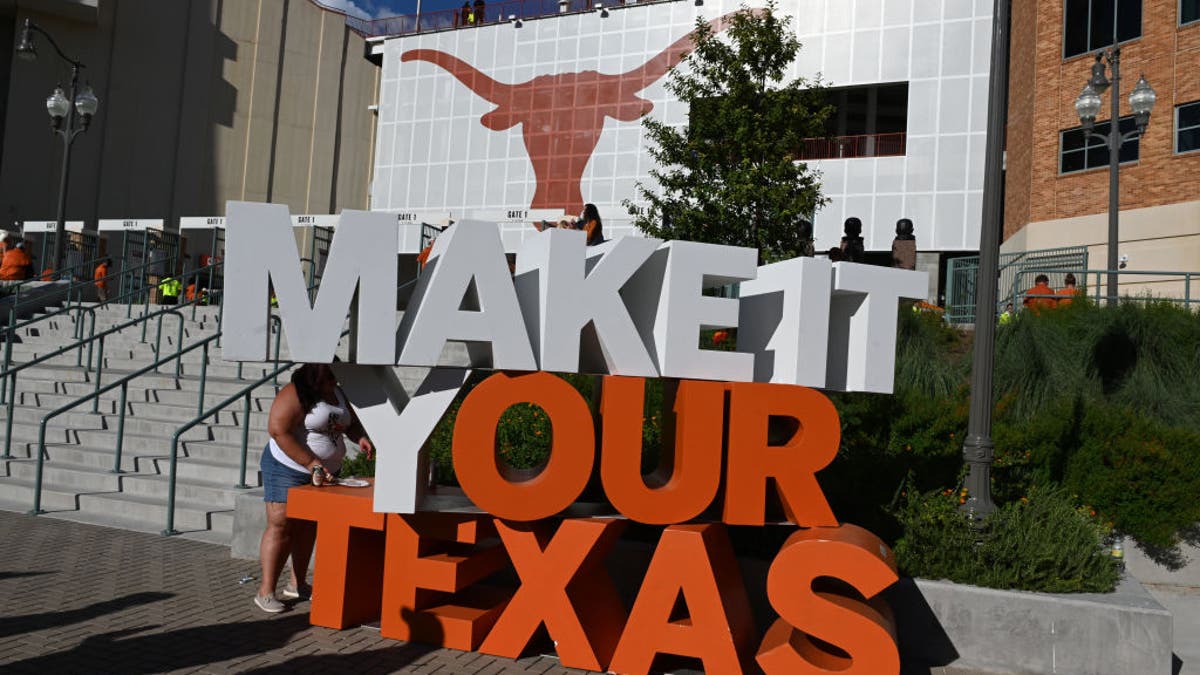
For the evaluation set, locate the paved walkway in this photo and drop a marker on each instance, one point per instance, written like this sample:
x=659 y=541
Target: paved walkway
x=77 y=598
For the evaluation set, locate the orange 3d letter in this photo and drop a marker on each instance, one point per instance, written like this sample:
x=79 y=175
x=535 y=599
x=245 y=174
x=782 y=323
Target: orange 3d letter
x=865 y=631
x=565 y=586
x=695 y=471
x=694 y=563
x=571 y=452
x=754 y=456
x=428 y=592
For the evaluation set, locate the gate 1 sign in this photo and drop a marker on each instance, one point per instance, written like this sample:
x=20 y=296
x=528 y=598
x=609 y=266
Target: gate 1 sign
x=751 y=429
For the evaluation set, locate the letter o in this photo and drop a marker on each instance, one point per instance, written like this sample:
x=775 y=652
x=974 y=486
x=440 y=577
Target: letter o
x=572 y=449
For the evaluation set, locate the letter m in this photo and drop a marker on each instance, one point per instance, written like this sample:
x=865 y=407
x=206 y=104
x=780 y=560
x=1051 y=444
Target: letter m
x=260 y=247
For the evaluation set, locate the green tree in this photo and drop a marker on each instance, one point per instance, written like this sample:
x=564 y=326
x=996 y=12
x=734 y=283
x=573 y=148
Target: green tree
x=729 y=176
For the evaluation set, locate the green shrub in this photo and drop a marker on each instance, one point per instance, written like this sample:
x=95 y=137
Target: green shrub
x=358 y=466
x=1041 y=543
x=1140 y=474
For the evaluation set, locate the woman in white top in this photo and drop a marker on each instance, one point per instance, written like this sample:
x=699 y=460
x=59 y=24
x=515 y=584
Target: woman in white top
x=307 y=421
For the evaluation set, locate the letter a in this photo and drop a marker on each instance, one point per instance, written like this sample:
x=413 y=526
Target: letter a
x=694 y=562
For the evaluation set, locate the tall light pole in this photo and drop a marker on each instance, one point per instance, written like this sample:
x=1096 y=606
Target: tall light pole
x=1141 y=101
x=62 y=108
x=978 y=449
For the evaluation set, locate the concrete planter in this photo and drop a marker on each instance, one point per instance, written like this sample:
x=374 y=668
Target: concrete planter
x=943 y=623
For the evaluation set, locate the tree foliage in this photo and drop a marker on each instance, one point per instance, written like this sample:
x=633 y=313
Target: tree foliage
x=728 y=176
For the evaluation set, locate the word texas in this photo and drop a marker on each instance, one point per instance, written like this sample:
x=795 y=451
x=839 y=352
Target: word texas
x=631 y=306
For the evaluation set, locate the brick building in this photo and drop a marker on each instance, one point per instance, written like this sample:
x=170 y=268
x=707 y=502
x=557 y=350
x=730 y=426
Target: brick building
x=1057 y=181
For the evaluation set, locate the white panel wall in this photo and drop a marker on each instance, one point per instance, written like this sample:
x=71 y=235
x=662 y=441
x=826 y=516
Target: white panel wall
x=434 y=154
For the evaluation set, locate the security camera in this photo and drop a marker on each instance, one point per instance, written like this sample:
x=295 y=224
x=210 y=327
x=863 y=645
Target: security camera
x=1122 y=262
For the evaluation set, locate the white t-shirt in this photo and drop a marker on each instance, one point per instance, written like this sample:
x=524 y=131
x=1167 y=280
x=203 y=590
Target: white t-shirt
x=322 y=433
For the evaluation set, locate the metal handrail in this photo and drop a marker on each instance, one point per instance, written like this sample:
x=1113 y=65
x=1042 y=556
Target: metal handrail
x=75 y=284
x=123 y=383
x=15 y=289
x=244 y=393
x=81 y=340
x=9 y=377
x=1186 y=300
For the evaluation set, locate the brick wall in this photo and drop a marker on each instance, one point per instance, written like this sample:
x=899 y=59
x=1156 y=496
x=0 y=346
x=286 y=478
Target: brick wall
x=1042 y=91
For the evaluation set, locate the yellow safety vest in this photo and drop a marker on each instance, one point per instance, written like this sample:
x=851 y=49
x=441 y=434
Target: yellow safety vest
x=170 y=287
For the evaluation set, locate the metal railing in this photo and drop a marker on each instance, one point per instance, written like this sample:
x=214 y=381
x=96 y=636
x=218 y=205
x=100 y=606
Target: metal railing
x=1096 y=288
x=490 y=13
x=243 y=394
x=123 y=383
x=9 y=376
x=961 y=275
x=79 y=309
x=14 y=289
x=850 y=147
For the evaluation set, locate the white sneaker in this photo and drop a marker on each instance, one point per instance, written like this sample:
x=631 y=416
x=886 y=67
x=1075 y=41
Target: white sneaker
x=269 y=604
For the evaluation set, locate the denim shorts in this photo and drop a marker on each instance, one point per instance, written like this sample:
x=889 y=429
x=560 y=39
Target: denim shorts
x=278 y=479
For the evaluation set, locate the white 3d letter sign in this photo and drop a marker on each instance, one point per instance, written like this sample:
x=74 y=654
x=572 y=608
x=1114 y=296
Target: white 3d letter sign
x=630 y=306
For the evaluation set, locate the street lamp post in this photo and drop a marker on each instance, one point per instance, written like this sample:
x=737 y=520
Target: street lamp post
x=978 y=448
x=1141 y=101
x=62 y=107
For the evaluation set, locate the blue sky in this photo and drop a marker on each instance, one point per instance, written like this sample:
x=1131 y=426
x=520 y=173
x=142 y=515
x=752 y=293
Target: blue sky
x=378 y=9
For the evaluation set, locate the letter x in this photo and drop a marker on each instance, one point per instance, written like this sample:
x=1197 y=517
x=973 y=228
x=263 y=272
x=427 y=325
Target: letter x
x=565 y=586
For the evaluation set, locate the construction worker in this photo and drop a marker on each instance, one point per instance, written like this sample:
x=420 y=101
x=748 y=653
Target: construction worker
x=1040 y=296
x=1068 y=291
x=168 y=291
x=16 y=264
x=101 y=279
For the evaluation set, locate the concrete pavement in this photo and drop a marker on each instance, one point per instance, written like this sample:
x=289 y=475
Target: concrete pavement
x=1178 y=591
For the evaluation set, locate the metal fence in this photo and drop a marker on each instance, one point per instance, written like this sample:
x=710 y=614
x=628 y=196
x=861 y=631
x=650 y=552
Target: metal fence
x=962 y=273
x=850 y=147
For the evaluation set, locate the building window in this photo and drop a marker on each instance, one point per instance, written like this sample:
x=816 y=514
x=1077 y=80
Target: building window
x=1187 y=127
x=1189 y=11
x=1088 y=24
x=870 y=109
x=1079 y=152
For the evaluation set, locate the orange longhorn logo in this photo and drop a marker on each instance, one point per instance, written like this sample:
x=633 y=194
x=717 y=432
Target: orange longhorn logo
x=562 y=116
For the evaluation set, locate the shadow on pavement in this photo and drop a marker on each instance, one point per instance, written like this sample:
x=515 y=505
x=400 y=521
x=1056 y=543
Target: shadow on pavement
x=118 y=652
x=18 y=575
x=386 y=660
x=27 y=623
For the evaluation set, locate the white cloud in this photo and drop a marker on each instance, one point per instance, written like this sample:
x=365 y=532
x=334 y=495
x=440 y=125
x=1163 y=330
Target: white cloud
x=369 y=11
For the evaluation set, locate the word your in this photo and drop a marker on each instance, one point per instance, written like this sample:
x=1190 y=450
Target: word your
x=631 y=306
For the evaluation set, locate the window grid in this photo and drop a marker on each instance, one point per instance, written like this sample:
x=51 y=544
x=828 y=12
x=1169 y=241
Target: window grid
x=1080 y=152
x=1087 y=24
x=1187 y=127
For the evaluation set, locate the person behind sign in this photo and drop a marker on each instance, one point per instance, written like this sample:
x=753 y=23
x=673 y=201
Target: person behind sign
x=307 y=421
x=589 y=222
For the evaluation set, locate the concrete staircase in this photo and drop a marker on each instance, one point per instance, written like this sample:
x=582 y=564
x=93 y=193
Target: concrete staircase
x=79 y=482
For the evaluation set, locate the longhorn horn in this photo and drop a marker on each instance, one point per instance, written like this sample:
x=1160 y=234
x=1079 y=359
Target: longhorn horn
x=648 y=73
x=471 y=77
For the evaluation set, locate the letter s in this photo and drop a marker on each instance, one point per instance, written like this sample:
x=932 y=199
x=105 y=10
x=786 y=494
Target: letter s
x=863 y=633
